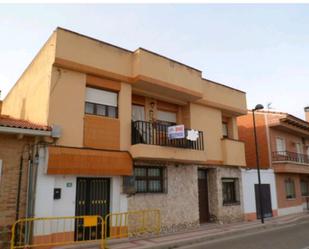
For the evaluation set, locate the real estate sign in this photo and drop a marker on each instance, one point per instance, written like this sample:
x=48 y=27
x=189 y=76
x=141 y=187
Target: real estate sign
x=176 y=131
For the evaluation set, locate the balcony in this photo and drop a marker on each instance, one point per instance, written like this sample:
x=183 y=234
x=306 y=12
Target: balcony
x=157 y=134
x=150 y=142
x=233 y=152
x=290 y=162
x=288 y=156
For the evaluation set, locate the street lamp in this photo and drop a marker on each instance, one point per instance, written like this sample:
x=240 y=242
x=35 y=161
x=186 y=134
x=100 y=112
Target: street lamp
x=258 y=107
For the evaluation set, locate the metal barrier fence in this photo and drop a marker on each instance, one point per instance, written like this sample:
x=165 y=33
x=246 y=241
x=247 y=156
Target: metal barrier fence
x=132 y=223
x=54 y=231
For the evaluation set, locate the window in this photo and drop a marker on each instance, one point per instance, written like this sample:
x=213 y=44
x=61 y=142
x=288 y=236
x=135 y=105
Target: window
x=280 y=145
x=304 y=185
x=101 y=102
x=230 y=191
x=138 y=113
x=290 y=189
x=224 y=129
x=168 y=118
x=148 y=179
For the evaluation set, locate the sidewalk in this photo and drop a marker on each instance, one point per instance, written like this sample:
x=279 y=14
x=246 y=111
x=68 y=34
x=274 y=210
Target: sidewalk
x=205 y=232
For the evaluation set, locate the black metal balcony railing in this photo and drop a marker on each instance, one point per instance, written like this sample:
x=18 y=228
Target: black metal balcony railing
x=290 y=156
x=157 y=134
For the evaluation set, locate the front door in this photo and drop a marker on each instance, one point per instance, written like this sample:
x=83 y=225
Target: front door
x=266 y=201
x=203 y=196
x=92 y=198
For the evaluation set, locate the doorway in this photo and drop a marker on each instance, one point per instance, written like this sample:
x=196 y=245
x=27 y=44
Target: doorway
x=266 y=200
x=92 y=198
x=203 y=196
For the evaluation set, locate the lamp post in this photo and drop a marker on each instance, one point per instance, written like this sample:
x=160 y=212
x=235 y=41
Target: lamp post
x=258 y=107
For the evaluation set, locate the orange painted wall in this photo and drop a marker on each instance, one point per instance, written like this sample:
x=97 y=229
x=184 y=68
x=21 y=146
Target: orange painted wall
x=75 y=161
x=101 y=132
x=281 y=195
x=245 y=130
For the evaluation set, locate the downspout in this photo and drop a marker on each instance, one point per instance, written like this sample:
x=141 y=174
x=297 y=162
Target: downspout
x=19 y=187
x=35 y=174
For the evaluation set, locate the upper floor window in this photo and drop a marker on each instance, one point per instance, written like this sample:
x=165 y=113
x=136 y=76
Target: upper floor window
x=280 y=146
x=101 y=102
x=138 y=113
x=225 y=132
x=165 y=117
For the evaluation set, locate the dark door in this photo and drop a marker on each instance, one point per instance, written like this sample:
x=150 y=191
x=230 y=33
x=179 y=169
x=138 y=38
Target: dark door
x=92 y=198
x=266 y=200
x=203 y=196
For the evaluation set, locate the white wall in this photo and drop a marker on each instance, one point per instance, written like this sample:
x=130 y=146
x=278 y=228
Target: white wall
x=249 y=179
x=290 y=210
x=46 y=206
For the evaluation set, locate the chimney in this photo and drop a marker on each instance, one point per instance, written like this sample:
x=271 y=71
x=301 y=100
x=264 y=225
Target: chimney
x=307 y=113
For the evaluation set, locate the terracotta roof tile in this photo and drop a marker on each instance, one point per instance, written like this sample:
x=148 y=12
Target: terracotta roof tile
x=8 y=121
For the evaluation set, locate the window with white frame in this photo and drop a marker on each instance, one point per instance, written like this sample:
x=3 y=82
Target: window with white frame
x=280 y=146
x=100 y=102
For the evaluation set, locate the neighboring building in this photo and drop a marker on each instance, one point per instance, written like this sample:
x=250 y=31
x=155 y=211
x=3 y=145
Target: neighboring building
x=114 y=108
x=18 y=142
x=284 y=150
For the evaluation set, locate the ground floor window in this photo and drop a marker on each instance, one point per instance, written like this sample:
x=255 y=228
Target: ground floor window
x=149 y=179
x=230 y=190
x=304 y=185
x=290 y=188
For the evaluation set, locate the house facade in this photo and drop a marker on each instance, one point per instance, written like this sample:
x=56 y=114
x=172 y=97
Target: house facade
x=116 y=109
x=284 y=152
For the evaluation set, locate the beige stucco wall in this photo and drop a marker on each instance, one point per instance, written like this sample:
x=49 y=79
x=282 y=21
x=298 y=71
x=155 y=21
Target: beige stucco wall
x=145 y=151
x=67 y=101
x=208 y=120
x=179 y=206
x=157 y=67
x=223 y=97
x=29 y=98
x=125 y=100
x=93 y=53
x=233 y=152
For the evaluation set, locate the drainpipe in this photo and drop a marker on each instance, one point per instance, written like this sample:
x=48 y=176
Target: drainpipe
x=19 y=186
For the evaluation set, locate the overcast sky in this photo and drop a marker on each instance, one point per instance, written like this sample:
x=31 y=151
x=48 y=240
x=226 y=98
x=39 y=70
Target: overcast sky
x=260 y=49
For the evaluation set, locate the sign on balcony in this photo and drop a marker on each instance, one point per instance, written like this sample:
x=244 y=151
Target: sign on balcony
x=192 y=135
x=176 y=131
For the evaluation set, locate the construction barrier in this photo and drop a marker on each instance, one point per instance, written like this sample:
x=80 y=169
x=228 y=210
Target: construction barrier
x=55 y=231
x=132 y=224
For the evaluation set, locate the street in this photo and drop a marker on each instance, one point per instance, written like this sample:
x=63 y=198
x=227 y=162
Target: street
x=294 y=236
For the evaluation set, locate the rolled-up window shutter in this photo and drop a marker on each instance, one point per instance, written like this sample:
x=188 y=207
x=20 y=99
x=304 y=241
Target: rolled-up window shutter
x=101 y=97
x=167 y=116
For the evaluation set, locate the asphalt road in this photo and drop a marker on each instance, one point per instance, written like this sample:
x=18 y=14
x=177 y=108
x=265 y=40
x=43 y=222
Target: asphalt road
x=294 y=236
